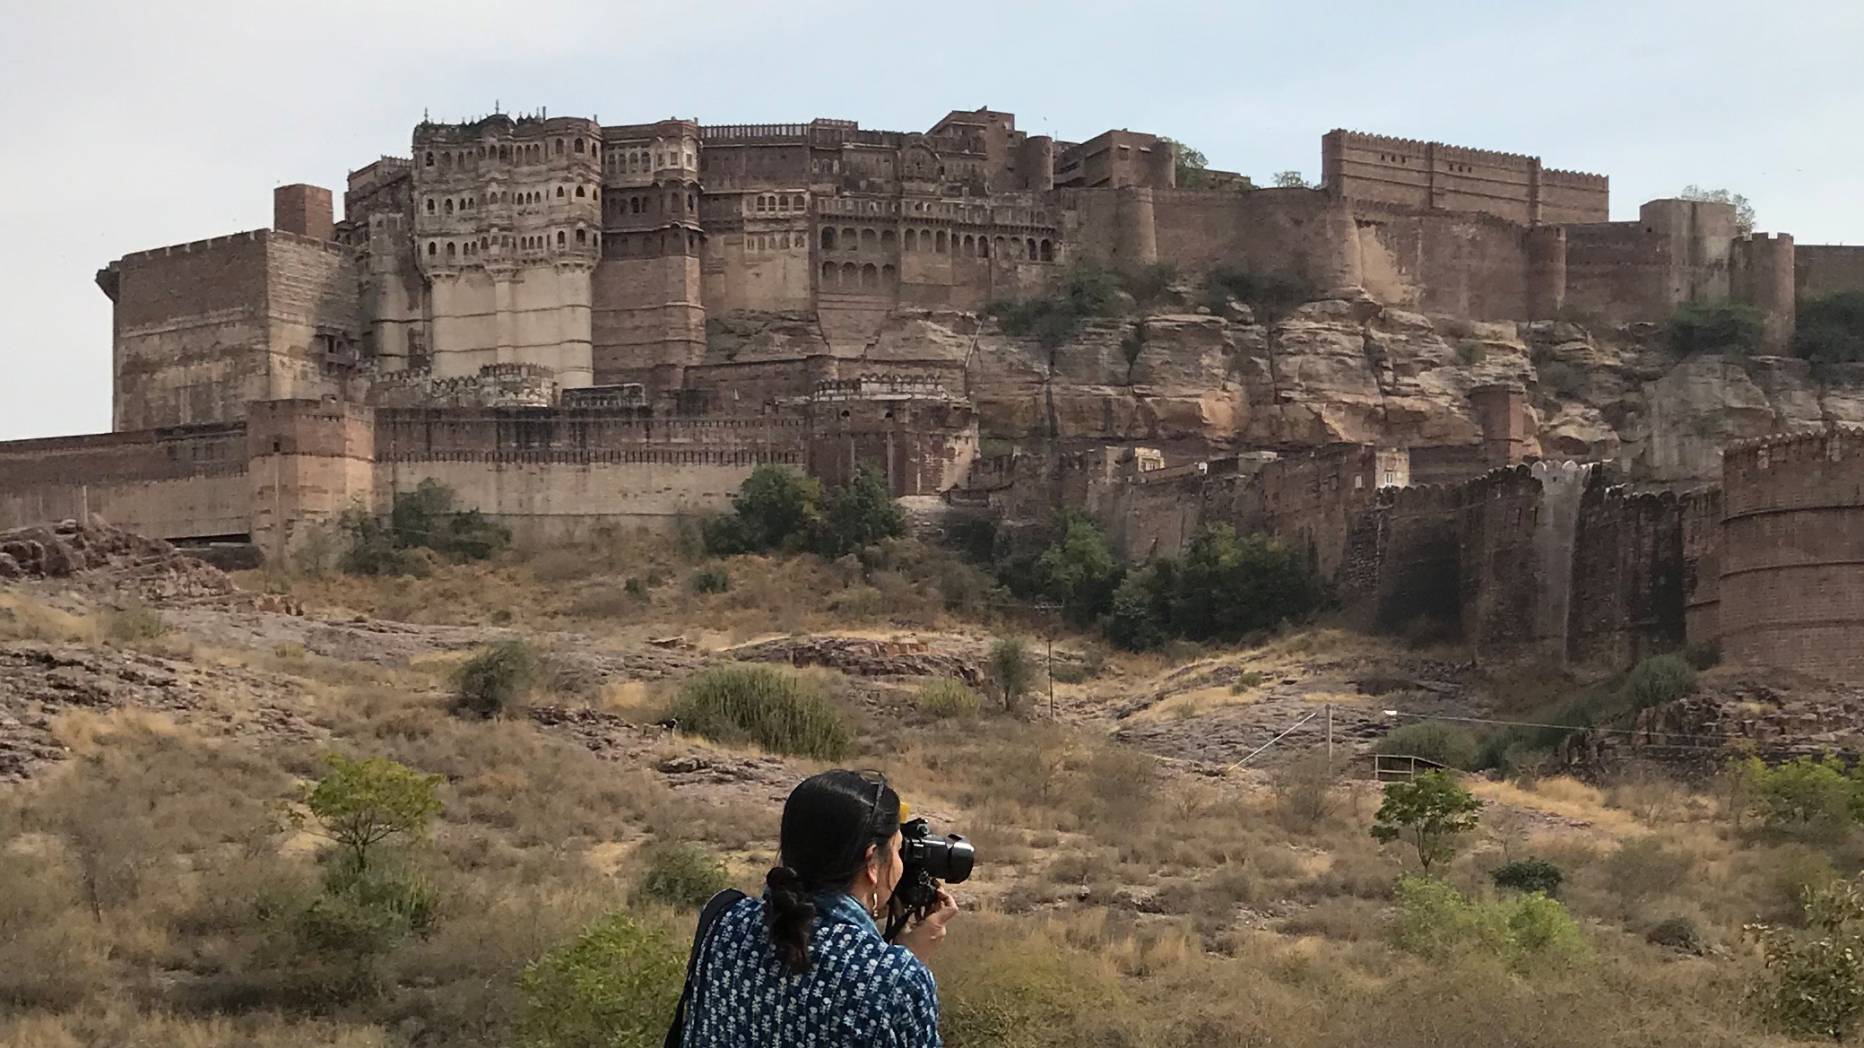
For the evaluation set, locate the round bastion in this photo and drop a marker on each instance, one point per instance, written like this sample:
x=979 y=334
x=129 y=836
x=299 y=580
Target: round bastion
x=1792 y=587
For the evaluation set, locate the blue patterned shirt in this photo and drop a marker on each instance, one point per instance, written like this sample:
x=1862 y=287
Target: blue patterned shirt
x=858 y=991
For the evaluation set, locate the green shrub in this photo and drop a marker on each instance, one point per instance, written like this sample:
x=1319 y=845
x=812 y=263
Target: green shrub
x=1719 y=327
x=1803 y=793
x=134 y=622
x=1645 y=868
x=1703 y=654
x=682 y=874
x=1430 y=812
x=1139 y=613
x=1012 y=670
x=1448 y=744
x=1089 y=291
x=1228 y=586
x=776 y=508
x=1676 y=933
x=1079 y=571
x=947 y=697
x=1830 y=328
x=1271 y=296
x=772 y=708
x=711 y=579
x=1529 y=875
x=1437 y=922
x=1471 y=351
x=613 y=986
x=422 y=519
x=1814 y=982
x=496 y=679
x=1657 y=680
x=860 y=513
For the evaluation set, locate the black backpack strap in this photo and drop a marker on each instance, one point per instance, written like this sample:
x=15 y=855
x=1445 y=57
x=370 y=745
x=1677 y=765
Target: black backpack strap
x=714 y=909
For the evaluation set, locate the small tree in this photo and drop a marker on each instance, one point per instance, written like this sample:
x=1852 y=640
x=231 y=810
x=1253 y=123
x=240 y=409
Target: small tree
x=1292 y=180
x=495 y=679
x=860 y=512
x=1013 y=671
x=1193 y=167
x=1079 y=571
x=613 y=986
x=1814 y=986
x=360 y=804
x=776 y=508
x=1744 y=211
x=1430 y=812
x=1657 y=680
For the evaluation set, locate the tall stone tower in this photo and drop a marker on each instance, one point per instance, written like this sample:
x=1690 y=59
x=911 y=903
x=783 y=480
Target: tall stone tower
x=507 y=230
x=649 y=318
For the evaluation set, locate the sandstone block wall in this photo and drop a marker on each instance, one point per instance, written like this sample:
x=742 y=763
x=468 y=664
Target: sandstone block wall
x=1435 y=176
x=187 y=482
x=1792 y=558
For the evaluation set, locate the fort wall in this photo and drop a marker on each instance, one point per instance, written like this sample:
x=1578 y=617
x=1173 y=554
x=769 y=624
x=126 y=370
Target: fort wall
x=1792 y=555
x=1820 y=269
x=1432 y=176
x=180 y=483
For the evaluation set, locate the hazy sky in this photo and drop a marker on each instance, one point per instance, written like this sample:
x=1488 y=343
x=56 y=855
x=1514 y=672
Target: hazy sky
x=139 y=125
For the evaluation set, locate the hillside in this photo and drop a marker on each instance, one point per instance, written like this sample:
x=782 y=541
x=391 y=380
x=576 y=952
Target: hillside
x=1134 y=888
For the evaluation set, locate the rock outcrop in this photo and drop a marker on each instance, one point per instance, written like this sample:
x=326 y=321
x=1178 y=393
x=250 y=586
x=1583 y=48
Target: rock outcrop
x=151 y=568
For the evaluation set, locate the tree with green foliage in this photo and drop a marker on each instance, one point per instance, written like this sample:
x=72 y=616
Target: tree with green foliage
x=1089 y=291
x=1830 y=328
x=1193 y=168
x=1720 y=327
x=1139 y=614
x=1744 y=211
x=495 y=679
x=1657 y=680
x=613 y=986
x=1804 y=793
x=1292 y=180
x=1230 y=585
x=1012 y=670
x=860 y=513
x=1271 y=296
x=422 y=519
x=360 y=804
x=1814 y=982
x=776 y=508
x=1079 y=571
x=1430 y=812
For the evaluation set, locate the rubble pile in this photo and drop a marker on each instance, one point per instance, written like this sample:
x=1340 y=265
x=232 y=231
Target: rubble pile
x=150 y=568
x=863 y=658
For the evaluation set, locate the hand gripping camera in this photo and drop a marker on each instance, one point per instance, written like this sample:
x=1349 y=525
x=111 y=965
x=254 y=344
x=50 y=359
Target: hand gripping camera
x=929 y=860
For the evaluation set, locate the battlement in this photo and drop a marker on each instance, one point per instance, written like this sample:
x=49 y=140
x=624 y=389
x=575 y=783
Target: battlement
x=233 y=240
x=743 y=132
x=1762 y=452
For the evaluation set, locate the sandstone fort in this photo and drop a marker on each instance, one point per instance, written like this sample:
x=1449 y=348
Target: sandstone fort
x=577 y=325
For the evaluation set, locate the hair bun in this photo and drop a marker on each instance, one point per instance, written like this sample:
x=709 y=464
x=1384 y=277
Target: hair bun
x=784 y=879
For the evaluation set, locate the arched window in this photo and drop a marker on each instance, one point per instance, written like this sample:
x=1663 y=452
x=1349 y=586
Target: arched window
x=430 y=159
x=448 y=208
x=559 y=147
x=1030 y=248
x=692 y=201
x=850 y=275
x=939 y=242
x=582 y=236
x=450 y=250
x=850 y=240
x=483 y=244
x=1048 y=251
x=504 y=152
x=887 y=274
x=579 y=192
x=579 y=145
x=887 y=240
x=560 y=193
x=431 y=249
x=912 y=241
x=634 y=205
x=801 y=205
x=430 y=205
x=828 y=270
x=870 y=276
x=970 y=245
x=828 y=241
x=561 y=238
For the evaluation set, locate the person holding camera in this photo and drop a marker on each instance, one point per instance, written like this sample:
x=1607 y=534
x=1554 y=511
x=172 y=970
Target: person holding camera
x=807 y=964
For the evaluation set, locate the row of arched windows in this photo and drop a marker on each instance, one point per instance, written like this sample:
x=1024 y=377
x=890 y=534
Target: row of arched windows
x=526 y=153
x=667 y=203
x=666 y=241
x=447 y=205
x=453 y=249
x=775 y=241
x=642 y=160
x=939 y=242
x=848 y=277
x=779 y=202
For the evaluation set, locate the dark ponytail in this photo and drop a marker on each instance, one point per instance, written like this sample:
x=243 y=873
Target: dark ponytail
x=829 y=821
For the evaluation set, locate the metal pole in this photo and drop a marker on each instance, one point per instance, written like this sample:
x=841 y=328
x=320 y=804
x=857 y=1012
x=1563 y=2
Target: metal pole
x=1329 y=738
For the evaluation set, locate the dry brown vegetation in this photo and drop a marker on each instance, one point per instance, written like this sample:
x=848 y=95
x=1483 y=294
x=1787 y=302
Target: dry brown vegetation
x=1121 y=899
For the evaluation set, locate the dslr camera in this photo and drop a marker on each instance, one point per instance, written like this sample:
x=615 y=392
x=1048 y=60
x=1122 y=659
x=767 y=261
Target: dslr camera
x=929 y=860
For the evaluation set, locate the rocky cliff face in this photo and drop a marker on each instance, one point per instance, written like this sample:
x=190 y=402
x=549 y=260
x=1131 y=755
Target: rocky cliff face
x=1345 y=368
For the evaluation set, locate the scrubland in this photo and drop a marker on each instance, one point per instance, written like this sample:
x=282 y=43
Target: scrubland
x=153 y=885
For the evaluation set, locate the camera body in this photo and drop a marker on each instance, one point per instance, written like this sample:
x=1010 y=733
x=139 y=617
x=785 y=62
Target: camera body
x=928 y=860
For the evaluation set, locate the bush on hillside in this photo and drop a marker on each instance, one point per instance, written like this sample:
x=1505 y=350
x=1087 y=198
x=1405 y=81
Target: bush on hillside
x=1089 y=291
x=1012 y=671
x=1271 y=296
x=1830 y=328
x=613 y=986
x=1804 y=793
x=420 y=520
x=778 y=510
x=1814 y=982
x=710 y=579
x=1230 y=585
x=1719 y=327
x=1528 y=875
x=1437 y=922
x=1657 y=680
x=1448 y=744
x=1139 y=613
x=682 y=874
x=770 y=707
x=859 y=513
x=1079 y=571
x=496 y=679
x=947 y=697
